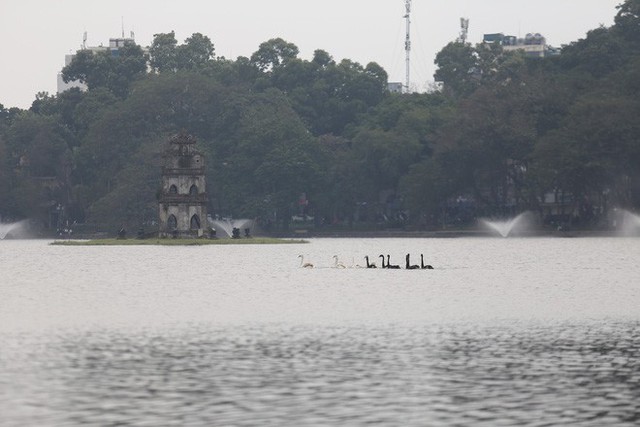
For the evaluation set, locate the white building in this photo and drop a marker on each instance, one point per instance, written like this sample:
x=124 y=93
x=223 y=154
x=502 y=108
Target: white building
x=114 y=45
x=534 y=45
x=394 y=87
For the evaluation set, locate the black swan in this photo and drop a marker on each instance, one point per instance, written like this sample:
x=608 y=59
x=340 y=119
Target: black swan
x=384 y=265
x=370 y=265
x=389 y=265
x=422 y=264
x=409 y=266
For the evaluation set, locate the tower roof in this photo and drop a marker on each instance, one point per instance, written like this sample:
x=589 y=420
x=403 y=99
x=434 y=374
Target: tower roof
x=182 y=138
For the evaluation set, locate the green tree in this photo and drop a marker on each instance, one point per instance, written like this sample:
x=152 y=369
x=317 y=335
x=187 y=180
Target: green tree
x=492 y=137
x=599 y=54
x=329 y=96
x=431 y=182
x=322 y=58
x=381 y=159
x=457 y=69
x=132 y=198
x=271 y=159
x=44 y=104
x=273 y=54
x=7 y=180
x=8 y=115
x=595 y=152
x=627 y=21
x=38 y=145
x=37 y=151
x=260 y=156
x=159 y=105
x=163 y=52
x=196 y=52
x=112 y=70
x=167 y=56
x=87 y=109
x=404 y=129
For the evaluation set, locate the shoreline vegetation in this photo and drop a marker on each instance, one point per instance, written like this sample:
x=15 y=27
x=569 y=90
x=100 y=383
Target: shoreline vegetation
x=301 y=236
x=177 y=242
x=323 y=143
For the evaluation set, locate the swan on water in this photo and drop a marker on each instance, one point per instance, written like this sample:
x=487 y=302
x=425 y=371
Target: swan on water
x=304 y=264
x=337 y=263
x=408 y=264
x=384 y=265
x=389 y=265
x=369 y=264
x=423 y=265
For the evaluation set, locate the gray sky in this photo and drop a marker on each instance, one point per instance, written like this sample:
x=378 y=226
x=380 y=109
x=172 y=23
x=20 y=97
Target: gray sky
x=36 y=34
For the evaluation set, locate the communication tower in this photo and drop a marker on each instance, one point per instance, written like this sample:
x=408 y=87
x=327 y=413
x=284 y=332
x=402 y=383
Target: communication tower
x=407 y=43
x=464 y=30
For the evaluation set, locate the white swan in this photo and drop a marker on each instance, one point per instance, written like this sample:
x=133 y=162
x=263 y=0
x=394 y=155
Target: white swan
x=354 y=264
x=337 y=263
x=304 y=264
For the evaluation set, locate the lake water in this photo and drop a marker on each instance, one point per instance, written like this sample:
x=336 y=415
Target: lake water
x=516 y=331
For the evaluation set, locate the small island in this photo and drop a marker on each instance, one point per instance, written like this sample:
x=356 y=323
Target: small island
x=178 y=242
x=182 y=208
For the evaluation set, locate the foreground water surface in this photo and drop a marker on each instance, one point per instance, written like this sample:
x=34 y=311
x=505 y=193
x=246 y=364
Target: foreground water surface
x=530 y=331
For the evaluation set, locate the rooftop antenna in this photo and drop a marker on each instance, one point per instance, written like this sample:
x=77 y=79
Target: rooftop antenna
x=407 y=43
x=84 y=40
x=464 y=30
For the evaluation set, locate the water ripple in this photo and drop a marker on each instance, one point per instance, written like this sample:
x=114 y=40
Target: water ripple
x=461 y=374
x=534 y=332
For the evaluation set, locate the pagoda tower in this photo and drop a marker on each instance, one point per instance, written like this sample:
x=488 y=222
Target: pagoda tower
x=182 y=205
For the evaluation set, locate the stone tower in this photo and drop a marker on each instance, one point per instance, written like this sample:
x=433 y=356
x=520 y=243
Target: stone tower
x=182 y=204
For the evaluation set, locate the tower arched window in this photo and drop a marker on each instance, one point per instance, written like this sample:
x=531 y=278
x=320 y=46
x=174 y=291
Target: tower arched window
x=195 y=222
x=193 y=191
x=172 y=222
x=173 y=190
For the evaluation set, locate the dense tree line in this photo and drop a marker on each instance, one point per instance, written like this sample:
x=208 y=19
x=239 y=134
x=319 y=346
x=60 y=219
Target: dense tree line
x=289 y=137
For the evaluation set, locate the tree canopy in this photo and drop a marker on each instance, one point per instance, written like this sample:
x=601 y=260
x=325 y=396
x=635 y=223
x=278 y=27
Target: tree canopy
x=323 y=138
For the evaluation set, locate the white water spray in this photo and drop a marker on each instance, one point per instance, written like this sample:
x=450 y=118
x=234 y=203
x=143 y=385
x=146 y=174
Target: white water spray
x=506 y=227
x=12 y=228
x=629 y=224
x=227 y=225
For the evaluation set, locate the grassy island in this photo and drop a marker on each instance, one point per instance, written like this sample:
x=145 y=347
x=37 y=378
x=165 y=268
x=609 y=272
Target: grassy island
x=177 y=242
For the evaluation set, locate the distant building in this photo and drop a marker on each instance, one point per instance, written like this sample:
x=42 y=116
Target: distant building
x=534 y=45
x=182 y=205
x=394 y=87
x=114 y=45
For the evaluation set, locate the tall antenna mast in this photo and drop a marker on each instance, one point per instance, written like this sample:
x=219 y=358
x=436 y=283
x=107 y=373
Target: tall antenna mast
x=464 y=30
x=407 y=43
